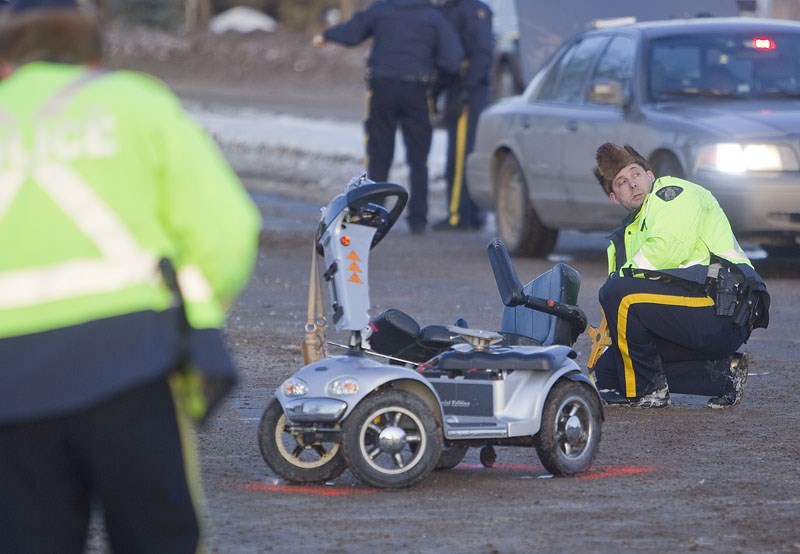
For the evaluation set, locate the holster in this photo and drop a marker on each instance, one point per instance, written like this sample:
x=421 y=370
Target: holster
x=727 y=296
x=751 y=307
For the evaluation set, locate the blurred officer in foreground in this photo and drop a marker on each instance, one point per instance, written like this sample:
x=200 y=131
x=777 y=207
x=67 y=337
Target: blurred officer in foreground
x=412 y=42
x=681 y=296
x=466 y=96
x=105 y=187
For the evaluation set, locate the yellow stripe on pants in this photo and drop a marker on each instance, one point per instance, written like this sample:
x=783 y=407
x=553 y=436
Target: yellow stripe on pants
x=622 y=325
x=458 y=173
x=191 y=458
x=367 y=112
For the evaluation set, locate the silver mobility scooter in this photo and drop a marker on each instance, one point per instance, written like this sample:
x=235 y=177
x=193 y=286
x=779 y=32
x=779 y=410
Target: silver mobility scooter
x=439 y=390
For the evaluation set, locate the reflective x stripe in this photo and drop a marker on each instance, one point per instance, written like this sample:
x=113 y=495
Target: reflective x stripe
x=123 y=262
x=642 y=262
x=194 y=285
x=622 y=325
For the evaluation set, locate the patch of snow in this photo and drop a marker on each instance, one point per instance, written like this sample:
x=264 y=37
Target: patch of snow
x=242 y=19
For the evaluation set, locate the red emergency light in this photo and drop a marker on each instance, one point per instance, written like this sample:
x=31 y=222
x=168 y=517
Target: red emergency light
x=763 y=43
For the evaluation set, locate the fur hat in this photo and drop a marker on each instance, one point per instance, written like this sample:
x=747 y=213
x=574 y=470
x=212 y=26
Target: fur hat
x=65 y=31
x=611 y=159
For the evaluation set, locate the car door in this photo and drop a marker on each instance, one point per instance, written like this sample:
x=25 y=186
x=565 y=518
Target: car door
x=597 y=119
x=544 y=130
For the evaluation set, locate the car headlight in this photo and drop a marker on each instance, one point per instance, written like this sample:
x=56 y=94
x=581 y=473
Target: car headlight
x=343 y=387
x=294 y=387
x=738 y=158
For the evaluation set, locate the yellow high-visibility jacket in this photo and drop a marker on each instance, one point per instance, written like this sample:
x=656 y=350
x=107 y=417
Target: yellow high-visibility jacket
x=679 y=226
x=103 y=176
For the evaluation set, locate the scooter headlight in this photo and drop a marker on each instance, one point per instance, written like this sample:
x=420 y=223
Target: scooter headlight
x=294 y=387
x=343 y=387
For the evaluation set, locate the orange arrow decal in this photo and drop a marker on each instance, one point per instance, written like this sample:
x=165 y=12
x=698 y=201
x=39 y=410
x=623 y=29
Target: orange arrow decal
x=353 y=256
x=354 y=279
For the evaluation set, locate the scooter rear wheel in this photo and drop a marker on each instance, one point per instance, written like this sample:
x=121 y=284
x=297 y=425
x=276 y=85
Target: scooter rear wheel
x=451 y=455
x=297 y=456
x=391 y=440
x=569 y=437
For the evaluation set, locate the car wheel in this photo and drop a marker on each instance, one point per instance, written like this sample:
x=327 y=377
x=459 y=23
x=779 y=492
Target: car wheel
x=569 y=437
x=300 y=457
x=517 y=221
x=667 y=165
x=391 y=440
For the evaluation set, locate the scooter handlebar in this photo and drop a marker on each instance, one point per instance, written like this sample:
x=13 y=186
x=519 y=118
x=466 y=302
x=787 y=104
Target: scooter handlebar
x=375 y=193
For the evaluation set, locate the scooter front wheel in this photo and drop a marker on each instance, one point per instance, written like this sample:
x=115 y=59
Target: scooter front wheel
x=297 y=456
x=569 y=437
x=391 y=440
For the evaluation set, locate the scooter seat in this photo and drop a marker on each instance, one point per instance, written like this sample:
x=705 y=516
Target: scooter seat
x=541 y=358
x=395 y=333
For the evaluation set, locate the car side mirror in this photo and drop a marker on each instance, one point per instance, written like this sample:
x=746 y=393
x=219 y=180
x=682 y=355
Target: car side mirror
x=607 y=92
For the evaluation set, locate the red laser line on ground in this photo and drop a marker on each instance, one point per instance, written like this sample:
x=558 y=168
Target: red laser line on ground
x=307 y=489
x=603 y=472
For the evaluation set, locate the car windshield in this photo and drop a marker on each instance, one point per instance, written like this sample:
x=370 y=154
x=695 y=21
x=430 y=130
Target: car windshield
x=725 y=66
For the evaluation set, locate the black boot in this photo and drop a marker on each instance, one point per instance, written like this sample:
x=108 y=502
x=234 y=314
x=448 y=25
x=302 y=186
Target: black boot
x=733 y=392
x=658 y=398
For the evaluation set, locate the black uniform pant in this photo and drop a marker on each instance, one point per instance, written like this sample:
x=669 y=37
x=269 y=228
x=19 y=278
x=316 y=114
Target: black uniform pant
x=128 y=454
x=462 y=124
x=392 y=103
x=661 y=334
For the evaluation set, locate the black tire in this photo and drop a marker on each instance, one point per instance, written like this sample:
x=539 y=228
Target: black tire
x=488 y=456
x=569 y=437
x=391 y=440
x=451 y=455
x=667 y=165
x=297 y=457
x=517 y=221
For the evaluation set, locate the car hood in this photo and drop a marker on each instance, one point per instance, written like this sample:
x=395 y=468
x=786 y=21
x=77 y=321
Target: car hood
x=738 y=120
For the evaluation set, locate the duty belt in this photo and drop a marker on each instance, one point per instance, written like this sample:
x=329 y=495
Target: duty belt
x=406 y=78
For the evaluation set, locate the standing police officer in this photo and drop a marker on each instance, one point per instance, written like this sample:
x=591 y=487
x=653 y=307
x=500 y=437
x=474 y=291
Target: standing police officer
x=103 y=178
x=681 y=296
x=412 y=41
x=465 y=98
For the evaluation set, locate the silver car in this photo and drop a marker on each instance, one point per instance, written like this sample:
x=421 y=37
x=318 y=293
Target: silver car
x=714 y=101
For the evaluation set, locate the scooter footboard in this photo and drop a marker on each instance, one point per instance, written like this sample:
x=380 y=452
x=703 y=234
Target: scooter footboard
x=495 y=404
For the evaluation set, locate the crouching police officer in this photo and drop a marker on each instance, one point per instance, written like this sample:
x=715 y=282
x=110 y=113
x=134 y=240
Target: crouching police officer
x=412 y=43
x=681 y=296
x=103 y=366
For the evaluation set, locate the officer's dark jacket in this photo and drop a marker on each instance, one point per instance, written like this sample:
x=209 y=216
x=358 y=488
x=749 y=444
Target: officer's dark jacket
x=472 y=20
x=411 y=40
